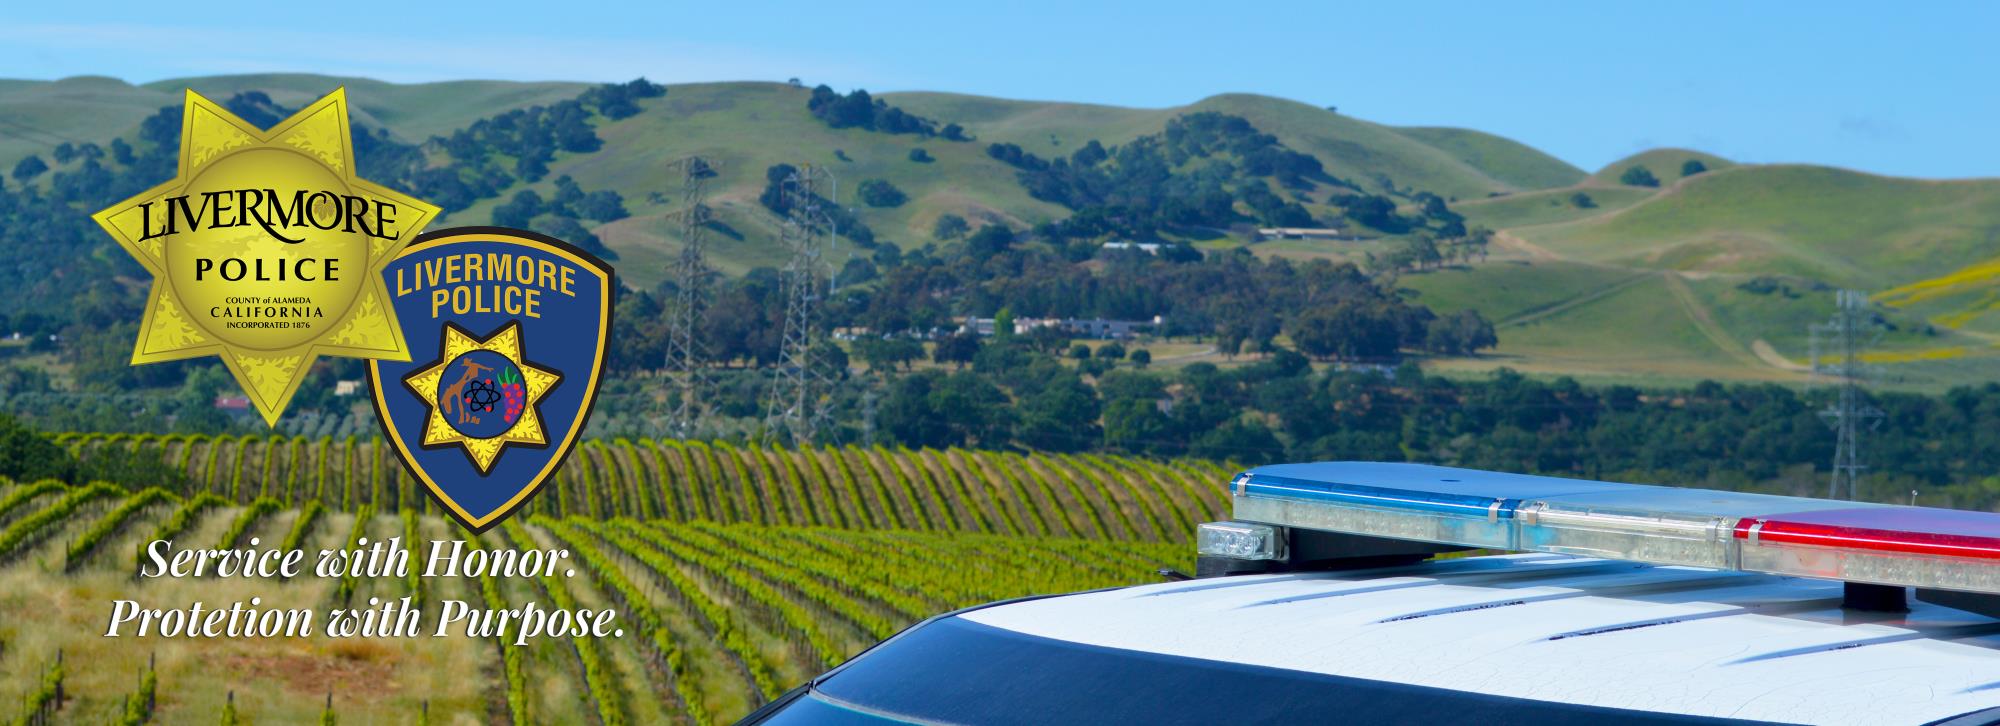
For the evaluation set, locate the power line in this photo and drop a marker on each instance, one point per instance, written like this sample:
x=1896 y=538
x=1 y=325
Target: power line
x=685 y=355
x=797 y=406
x=1844 y=334
x=868 y=412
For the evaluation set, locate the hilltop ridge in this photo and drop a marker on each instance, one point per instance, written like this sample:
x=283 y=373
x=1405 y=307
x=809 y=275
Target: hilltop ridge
x=1572 y=245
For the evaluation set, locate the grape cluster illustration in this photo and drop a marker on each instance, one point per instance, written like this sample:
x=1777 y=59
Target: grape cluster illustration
x=514 y=392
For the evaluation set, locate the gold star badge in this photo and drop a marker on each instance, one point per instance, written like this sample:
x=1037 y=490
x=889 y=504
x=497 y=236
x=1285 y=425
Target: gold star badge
x=266 y=249
x=471 y=404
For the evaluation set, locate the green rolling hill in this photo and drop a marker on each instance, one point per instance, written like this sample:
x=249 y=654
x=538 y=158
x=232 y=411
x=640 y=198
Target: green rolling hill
x=750 y=126
x=1499 y=157
x=747 y=128
x=37 y=115
x=1843 y=227
x=413 y=111
x=1714 y=275
x=1550 y=206
x=1447 y=162
x=1759 y=249
x=1664 y=163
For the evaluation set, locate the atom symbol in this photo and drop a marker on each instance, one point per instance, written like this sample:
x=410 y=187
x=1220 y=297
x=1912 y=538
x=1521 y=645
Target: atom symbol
x=480 y=395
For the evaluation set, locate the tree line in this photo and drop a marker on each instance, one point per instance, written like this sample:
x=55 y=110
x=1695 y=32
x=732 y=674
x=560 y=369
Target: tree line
x=858 y=109
x=1193 y=178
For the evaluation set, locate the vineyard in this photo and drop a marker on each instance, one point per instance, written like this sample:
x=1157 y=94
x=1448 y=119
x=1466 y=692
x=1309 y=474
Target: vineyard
x=738 y=572
x=1089 y=496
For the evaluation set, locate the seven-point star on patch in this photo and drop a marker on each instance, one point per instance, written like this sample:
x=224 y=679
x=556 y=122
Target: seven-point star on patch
x=470 y=398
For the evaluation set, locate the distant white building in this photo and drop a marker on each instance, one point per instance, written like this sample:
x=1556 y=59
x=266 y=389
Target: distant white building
x=981 y=327
x=1151 y=248
x=1112 y=329
x=1098 y=328
x=1022 y=326
x=1301 y=232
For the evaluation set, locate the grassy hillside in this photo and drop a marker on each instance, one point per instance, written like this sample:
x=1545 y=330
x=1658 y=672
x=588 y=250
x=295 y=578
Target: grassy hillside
x=1513 y=291
x=1959 y=300
x=1842 y=227
x=1600 y=322
x=1931 y=248
x=35 y=116
x=1819 y=227
x=413 y=111
x=749 y=127
x=1499 y=157
x=1357 y=150
x=1549 y=206
x=1751 y=255
x=1664 y=163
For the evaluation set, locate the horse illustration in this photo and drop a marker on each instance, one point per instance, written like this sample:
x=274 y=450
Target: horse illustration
x=454 y=394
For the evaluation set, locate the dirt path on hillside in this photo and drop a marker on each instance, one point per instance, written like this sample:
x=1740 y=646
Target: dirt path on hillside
x=1704 y=321
x=1534 y=314
x=1534 y=251
x=1771 y=355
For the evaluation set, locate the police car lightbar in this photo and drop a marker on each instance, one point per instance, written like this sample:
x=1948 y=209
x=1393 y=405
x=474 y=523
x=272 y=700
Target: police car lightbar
x=1820 y=538
x=1944 y=549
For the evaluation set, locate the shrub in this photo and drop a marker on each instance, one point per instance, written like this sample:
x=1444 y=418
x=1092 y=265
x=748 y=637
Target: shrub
x=950 y=226
x=1638 y=175
x=29 y=168
x=881 y=193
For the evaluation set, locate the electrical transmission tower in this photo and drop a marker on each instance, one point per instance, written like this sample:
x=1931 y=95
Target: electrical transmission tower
x=1851 y=330
x=868 y=411
x=797 y=406
x=685 y=357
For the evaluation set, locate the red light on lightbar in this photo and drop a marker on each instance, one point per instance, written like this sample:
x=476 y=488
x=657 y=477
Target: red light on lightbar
x=1911 y=530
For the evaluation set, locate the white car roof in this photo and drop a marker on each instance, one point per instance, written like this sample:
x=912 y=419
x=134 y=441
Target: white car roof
x=1565 y=629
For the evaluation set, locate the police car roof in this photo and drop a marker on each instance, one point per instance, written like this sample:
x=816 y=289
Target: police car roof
x=1563 y=629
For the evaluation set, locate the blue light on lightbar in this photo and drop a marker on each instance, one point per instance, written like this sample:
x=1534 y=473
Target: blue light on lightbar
x=1278 y=486
x=1404 y=501
x=1419 y=486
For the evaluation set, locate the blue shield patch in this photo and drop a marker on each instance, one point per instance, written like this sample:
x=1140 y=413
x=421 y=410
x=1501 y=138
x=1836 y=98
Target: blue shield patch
x=508 y=332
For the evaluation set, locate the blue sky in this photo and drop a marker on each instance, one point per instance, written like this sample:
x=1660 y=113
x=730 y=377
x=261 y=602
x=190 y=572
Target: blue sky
x=1904 y=89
